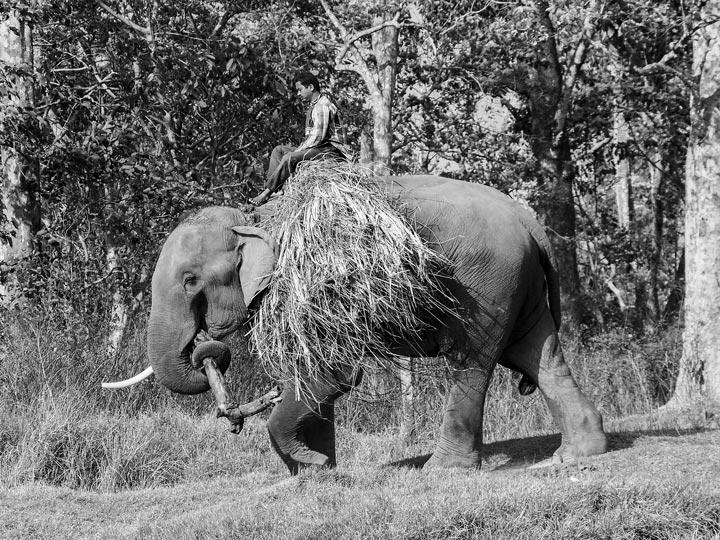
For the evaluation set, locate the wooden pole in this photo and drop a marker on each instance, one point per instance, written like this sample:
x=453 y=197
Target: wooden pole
x=227 y=407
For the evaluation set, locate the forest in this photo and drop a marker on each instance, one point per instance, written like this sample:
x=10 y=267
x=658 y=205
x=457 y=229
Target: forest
x=118 y=117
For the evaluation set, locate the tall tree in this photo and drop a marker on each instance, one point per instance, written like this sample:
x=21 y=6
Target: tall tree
x=377 y=66
x=549 y=86
x=19 y=169
x=700 y=364
x=131 y=132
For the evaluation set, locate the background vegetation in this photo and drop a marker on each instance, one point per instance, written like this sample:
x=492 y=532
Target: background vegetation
x=146 y=110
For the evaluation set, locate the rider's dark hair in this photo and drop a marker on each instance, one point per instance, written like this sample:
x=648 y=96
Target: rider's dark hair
x=306 y=79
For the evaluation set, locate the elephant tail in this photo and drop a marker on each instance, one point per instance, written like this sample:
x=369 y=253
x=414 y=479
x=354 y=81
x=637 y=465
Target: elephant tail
x=549 y=264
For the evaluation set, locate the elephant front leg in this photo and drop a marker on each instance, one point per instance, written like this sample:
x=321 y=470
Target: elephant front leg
x=460 y=440
x=303 y=435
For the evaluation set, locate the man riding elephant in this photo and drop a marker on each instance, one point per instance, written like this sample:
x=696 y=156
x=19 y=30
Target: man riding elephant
x=323 y=138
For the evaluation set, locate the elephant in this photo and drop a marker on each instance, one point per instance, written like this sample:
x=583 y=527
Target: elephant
x=214 y=267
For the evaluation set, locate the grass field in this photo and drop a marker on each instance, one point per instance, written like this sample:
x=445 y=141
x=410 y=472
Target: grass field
x=77 y=463
x=657 y=483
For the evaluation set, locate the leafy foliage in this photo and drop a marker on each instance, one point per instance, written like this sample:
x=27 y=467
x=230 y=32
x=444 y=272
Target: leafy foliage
x=145 y=111
x=143 y=115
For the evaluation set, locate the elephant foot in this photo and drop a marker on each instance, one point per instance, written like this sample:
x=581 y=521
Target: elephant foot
x=441 y=460
x=295 y=467
x=581 y=446
x=302 y=458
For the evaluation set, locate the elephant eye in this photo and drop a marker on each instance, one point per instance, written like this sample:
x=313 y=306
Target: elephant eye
x=189 y=280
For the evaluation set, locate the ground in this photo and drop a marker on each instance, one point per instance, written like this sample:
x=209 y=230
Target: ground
x=652 y=483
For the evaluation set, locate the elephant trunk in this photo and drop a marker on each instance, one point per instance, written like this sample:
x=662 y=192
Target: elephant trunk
x=170 y=359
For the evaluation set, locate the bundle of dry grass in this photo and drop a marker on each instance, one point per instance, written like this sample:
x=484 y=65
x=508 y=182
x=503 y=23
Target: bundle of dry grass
x=353 y=277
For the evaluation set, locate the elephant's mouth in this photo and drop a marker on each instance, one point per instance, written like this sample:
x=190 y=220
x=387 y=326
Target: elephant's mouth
x=206 y=333
x=220 y=332
x=177 y=354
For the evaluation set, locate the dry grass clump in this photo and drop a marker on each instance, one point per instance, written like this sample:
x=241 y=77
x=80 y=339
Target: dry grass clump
x=353 y=277
x=67 y=441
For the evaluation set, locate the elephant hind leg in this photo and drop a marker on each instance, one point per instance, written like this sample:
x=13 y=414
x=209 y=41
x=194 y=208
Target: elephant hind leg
x=538 y=355
x=460 y=440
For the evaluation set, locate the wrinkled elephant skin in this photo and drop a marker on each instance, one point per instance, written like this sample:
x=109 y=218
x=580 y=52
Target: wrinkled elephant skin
x=504 y=279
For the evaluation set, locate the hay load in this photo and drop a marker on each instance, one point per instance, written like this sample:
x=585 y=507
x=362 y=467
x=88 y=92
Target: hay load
x=353 y=276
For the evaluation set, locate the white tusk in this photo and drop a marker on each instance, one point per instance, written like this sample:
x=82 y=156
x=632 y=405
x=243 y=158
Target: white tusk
x=132 y=380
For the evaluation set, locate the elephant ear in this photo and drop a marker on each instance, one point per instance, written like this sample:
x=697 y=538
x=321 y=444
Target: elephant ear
x=258 y=253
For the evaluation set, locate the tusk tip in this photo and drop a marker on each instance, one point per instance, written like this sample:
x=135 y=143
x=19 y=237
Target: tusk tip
x=129 y=382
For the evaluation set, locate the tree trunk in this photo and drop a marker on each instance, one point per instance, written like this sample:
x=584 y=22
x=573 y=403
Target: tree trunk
x=407 y=400
x=623 y=183
x=674 y=301
x=119 y=308
x=557 y=213
x=657 y=176
x=699 y=374
x=382 y=137
x=549 y=96
x=366 y=149
x=385 y=49
x=379 y=79
x=19 y=168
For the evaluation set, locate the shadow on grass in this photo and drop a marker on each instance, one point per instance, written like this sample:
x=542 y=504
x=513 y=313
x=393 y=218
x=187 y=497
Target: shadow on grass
x=521 y=453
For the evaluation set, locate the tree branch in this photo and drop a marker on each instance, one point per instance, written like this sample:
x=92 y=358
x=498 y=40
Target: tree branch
x=224 y=19
x=457 y=18
x=550 y=42
x=599 y=145
x=349 y=41
x=661 y=66
x=142 y=29
x=589 y=29
x=360 y=67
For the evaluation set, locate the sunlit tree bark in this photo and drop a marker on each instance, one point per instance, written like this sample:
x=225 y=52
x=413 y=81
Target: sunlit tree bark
x=378 y=76
x=19 y=170
x=623 y=185
x=700 y=365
